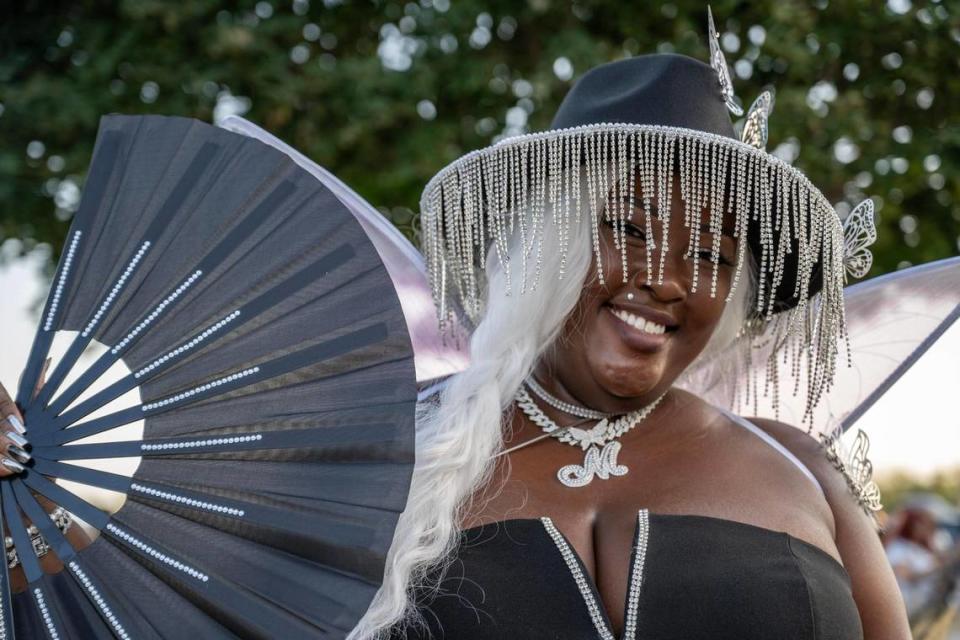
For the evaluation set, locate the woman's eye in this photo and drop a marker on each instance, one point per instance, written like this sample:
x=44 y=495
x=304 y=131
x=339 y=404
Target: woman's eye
x=629 y=229
x=707 y=254
x=633 y=230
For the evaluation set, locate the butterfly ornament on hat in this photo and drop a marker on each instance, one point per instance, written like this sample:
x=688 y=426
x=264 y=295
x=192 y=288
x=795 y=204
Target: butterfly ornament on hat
x=639 y=118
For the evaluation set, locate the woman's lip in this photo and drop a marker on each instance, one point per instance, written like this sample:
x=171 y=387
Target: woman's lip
x=636 y=339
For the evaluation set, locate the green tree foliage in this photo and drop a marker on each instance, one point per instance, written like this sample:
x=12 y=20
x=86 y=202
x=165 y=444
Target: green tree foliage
x=385 y=93
x=896 y=487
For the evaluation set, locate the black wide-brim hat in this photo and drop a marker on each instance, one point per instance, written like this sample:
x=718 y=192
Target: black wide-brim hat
x=651 y=116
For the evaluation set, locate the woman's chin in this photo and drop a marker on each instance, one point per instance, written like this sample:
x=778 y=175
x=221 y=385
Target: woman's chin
x=630 y=381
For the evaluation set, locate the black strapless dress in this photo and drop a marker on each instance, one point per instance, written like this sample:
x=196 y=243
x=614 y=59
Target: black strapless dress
x=691 y=577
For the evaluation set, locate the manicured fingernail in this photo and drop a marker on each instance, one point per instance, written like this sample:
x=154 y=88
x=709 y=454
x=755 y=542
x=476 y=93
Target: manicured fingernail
x=13 y=465
x=17 y=439
x=16 y=424
x=19 y=453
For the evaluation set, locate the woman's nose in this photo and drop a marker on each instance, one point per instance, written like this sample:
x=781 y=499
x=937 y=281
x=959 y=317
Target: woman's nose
x=669 y=276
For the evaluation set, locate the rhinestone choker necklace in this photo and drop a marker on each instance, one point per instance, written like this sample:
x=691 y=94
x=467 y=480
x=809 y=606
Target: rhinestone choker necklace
x=566 y=407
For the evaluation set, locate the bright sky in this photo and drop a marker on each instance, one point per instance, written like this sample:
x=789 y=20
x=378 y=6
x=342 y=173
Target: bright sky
x=907 y=429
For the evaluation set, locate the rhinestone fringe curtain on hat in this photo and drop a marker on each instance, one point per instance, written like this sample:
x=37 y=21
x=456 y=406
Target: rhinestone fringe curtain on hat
x=485 y=197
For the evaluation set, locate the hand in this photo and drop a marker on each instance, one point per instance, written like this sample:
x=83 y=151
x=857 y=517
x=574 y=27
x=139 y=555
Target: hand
x=14 y=444
x=14 y=448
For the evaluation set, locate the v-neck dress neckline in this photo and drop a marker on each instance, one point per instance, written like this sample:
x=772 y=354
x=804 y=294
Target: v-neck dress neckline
x=588 y=588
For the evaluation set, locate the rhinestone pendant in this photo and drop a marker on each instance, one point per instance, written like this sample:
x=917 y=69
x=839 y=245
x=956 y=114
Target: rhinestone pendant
x=599 y=462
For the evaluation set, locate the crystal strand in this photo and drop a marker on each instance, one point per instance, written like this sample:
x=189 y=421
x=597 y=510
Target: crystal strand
x=648 y=190
x=500 y=241
x=539 y=189
x=663 y=201
x=716 y=214
x=518 y=194
x=742 y=191
x=576 y=157
x=556 y=195
x=470 y=223
x=761 y=221
x=604 y=185
x=665 y=211
x=703 y=151
x=571 y=183
x=592 y=153
x=622 y=212
x=452 y=210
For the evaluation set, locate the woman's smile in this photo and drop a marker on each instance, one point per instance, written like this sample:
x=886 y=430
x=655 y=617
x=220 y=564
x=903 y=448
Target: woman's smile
x=637 y=329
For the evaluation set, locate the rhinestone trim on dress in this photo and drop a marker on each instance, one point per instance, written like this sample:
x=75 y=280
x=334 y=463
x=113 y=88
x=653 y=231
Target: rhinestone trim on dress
x=636 y=575
x=596 y=615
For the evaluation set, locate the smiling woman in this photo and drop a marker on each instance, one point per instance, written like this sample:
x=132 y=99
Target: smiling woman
x=597 y=264
x=641 y=322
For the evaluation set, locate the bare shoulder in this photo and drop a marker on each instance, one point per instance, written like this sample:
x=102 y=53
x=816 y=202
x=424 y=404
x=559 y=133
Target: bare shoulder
x=842 y=491
x=874 y=586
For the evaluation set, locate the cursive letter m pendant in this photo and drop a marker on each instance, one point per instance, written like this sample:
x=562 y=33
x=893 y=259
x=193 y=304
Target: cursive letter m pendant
x=602 y=463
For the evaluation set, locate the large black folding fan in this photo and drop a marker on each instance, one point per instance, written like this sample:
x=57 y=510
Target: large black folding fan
x=268 y=361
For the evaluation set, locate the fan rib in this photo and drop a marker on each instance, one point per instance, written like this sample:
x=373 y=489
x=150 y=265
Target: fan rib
x=18 y=531
x=101 y=171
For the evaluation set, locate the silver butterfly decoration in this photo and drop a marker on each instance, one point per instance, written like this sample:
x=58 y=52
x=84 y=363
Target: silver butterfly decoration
x=755 y=127
x=859 y=232
x=719 y=64
x=857 y=469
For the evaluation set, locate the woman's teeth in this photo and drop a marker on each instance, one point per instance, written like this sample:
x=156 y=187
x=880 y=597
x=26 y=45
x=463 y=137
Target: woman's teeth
x=639 y=323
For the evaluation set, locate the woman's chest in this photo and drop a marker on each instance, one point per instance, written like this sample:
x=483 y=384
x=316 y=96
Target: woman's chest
x=688 y=577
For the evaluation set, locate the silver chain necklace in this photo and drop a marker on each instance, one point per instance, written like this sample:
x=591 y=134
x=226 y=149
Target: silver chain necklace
x=599 y=443
x=566 y=407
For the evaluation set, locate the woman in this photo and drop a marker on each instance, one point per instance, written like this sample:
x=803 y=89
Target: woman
x=669 y=517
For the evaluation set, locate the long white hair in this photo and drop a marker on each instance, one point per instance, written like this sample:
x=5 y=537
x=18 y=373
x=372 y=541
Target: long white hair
x=458 y=436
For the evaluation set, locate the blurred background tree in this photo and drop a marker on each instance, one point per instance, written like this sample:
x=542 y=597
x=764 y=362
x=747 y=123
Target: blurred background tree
x=384 y=92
